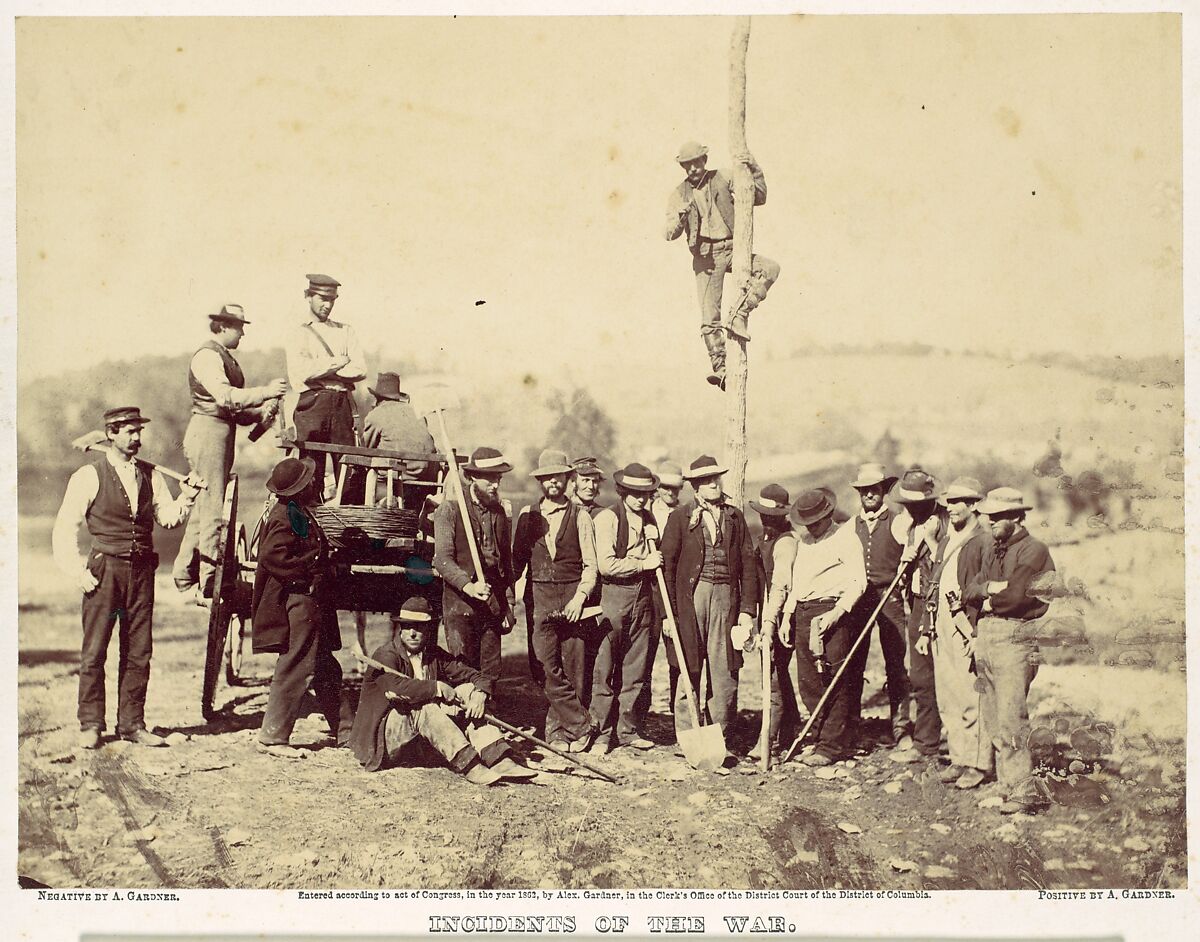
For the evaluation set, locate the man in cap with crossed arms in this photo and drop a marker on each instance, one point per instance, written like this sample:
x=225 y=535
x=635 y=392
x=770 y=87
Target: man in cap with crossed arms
x=324 y=362
x=436 y=696
x=882 y=534
x=712 y=581
x=554 y=541
x=702 y=207
x=476 y=612
x=220 y=403
x=1010 y=593
x=120 y=500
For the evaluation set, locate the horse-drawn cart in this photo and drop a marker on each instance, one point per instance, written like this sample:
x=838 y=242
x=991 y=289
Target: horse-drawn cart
x=381 y=547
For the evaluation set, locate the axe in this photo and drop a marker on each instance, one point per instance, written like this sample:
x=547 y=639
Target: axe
x=97 y=441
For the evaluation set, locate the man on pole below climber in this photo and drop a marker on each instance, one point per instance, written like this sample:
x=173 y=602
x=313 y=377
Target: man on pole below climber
x=702 y=207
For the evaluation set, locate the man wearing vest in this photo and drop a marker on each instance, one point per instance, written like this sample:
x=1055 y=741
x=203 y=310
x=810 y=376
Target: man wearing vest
x=712 y=584
x=555 y=542
x=627 y=565
x=882 y=534
x=120 y=501
x=324 y=361
x=784 y=716
x=1011 y=591
x=702 y=207
x=475 y=612
x=948 y=634
x=220 y=403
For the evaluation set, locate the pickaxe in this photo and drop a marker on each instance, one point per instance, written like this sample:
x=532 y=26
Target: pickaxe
x=98 y=441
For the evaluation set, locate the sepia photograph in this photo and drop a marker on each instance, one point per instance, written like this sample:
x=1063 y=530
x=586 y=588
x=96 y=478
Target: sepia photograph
x=600 y=452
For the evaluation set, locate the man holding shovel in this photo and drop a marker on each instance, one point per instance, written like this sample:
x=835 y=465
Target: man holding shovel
x=712 y=587
x=428 y=697
x=476 y=604
x=120 y=500
x=220 y=403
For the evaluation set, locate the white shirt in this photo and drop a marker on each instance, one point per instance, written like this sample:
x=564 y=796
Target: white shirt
x=308 y=361
x=418 y=666
x=828 y=567
x=208 y=367
x=605 y=525
x=81 y=492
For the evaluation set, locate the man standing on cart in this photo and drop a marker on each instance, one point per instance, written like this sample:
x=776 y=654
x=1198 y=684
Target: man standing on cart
x=324 y=361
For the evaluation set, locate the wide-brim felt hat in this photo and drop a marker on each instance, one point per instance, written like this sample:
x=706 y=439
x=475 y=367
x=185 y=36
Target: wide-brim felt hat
x=916 y=487
x=773 y=501
x=388 y=387
x=636 y=477
x=125 y=415
x=962 y=489
x=691 y=150
x=1002 y=500
x=871 y=474
x=291 y=476
x=487 y=461
x=812 y=506
x=706 y=466
x=550 y=463
x=670 y=474
x=229 y=314
x=415 y=611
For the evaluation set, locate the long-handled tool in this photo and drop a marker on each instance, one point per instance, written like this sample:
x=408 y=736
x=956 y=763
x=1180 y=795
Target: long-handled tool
x=97 y=441
x=702 y=746
x=862 y=635
x=764 y=734
x=507 y=727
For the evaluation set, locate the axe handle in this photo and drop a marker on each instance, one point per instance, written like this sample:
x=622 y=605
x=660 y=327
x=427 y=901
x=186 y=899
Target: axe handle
x=169 y=472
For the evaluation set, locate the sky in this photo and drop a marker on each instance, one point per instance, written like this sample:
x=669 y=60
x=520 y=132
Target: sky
x=984 y=182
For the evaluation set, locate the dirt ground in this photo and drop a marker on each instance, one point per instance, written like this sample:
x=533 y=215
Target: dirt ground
x=211 y=811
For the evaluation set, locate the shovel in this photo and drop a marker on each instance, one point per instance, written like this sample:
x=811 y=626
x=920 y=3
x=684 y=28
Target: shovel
x=703 y=746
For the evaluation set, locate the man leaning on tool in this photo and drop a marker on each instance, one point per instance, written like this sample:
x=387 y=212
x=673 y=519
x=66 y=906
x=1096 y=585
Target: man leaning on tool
x=554 y=541
x=827 y=578
x=1013 y=567
x=120 y=500
x=476 y=612
x=220 y=403
x=429 y=705
x=712 y=584
x=702 y=208
x=324 y=361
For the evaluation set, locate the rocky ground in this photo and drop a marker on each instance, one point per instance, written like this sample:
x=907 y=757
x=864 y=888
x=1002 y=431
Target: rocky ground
x=211 y=811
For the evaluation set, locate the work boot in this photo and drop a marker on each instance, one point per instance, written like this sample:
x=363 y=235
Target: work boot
x=640 y=742
x=584 y=744
x=951 y=773
x=279 y=750
x=89 y=738
x=971 y=778
x=507 y=768
x=143 y=737
x=738 y=327
x=717 y=378
x=480 y=774
x=816 y=760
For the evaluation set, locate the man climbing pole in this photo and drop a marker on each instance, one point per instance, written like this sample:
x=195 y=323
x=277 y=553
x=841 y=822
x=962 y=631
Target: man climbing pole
x=702 y=206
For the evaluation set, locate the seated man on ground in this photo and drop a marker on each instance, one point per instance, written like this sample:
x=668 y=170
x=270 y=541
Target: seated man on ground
x=431 y=704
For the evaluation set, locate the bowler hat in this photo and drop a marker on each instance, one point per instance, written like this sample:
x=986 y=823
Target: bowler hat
x=813 y=506
x=125 y=415
x=636 y=477
x=230 y=314
x=916 y=487
x=962 y=489
x=772 y=501
x=705 y=466
x=550 y=463
x=388 y=388
x=486 y=460
x=690 y=150
x=1002 y=500
x=587 y=467
x=871 y=474
x=291 y=476
x=323 y=285
x=415 y=609
x=670 y=474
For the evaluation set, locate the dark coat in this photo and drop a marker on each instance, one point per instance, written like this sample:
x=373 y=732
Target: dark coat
x=683 y=558
x=292 y=558
x=367 y=737
x=452 y=558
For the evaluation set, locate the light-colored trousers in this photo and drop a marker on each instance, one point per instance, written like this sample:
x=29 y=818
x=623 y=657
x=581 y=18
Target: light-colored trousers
x=714 y=611
x=1005 y=659
x=957 y=698
x=208 y=447
x=439 y=726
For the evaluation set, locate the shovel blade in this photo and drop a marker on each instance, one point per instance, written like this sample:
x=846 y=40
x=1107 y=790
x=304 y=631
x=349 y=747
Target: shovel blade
x=702 y=747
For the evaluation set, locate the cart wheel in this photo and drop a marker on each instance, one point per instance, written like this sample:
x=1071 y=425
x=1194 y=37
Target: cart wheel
x=224 y=585
x=237 y=623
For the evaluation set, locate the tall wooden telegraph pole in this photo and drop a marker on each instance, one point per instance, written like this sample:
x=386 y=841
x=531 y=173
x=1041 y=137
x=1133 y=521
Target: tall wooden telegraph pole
x=743 y=243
